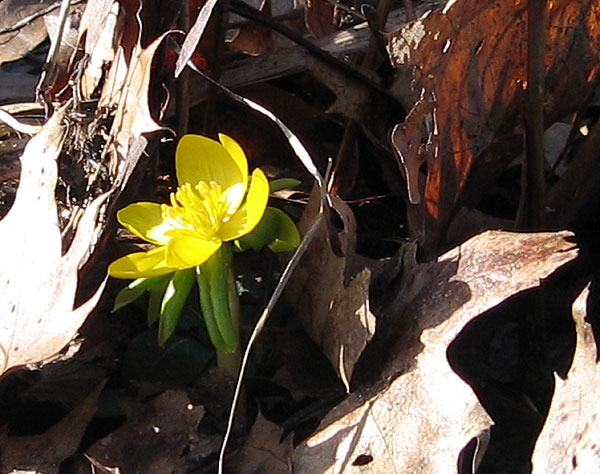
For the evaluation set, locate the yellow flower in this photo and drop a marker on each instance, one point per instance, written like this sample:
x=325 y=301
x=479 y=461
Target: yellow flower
x=213 y=204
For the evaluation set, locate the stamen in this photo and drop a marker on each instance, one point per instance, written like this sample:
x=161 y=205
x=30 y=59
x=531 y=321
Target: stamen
x=201 y=209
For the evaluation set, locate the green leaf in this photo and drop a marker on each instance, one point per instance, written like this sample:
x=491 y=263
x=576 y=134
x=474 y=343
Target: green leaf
x=276 y=230
x=214 y=280
x=134 y=290
x=179 y=362
x=157 y=292
x=283 y=183
x=263 y=234
x=287 y=236
x=175 y=296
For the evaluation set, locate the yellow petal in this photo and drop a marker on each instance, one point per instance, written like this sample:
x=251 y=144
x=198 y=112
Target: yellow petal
x=251 y=212
x=189 y=252
x=199 y=158
x=141 y=265
x=235 y=151
x=144 y=219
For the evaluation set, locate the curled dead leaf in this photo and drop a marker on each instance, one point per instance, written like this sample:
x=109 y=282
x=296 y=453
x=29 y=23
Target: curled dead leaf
x=422 y=420
x=333 y=305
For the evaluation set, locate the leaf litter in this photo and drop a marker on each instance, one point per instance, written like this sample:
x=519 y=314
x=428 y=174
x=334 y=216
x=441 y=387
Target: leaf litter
x=383 y=309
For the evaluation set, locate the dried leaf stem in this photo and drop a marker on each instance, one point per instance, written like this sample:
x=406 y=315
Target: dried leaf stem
x=182 y=103
x=534 y=115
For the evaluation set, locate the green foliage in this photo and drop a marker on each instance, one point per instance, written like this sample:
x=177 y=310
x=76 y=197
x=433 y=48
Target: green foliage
x=175 y=296
x=276 y=230
x=179 y=362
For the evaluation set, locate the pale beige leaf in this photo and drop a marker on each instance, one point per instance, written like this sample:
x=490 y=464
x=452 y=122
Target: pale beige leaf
x=99 y=24
x=126 y=87
x=570 y=438
x=422 y=420
x=37 y=283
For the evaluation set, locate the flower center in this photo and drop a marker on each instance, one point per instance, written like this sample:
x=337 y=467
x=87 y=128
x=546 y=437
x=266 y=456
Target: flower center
x=201 y=209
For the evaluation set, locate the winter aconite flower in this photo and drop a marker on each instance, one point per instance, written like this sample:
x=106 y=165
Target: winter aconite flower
x=216 y=211
x=215 y=202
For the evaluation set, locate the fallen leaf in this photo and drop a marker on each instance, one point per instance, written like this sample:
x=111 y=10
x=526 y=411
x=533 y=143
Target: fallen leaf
x=263 y=451
x=421 y=421
x=569 y=439
x=253 y=38
x=319 y=17
x=132 y=116
x=47 y=451
x=469 y=67
x=152 y=441
x=99 y=27
x=23 y=37
x=334 y=311
x=35 y=328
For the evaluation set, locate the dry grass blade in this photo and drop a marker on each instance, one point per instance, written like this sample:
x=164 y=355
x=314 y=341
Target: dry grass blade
x=193 y=37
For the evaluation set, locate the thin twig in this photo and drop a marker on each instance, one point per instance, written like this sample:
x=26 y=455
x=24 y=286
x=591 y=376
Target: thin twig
x=534 y=115
x=533 y=329
x=182 y=104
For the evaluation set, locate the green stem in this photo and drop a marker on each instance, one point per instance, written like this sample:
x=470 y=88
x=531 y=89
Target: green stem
x=220 y=307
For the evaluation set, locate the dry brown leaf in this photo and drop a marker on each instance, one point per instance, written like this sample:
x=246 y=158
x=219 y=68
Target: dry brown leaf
x=252 y=38
x=469 y=66
x=34 y=329
x=99 y=26
x=264 y=450
x=335 y=313
x=152 y=441
x=319 y=17
x=127 y=88
x=569 y=441
x=37 y=283
x=426 y=416
x=46 y=452
x=16 y=44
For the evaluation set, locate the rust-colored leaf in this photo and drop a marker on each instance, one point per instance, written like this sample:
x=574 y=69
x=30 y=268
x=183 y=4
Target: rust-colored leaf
x=469 y=65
